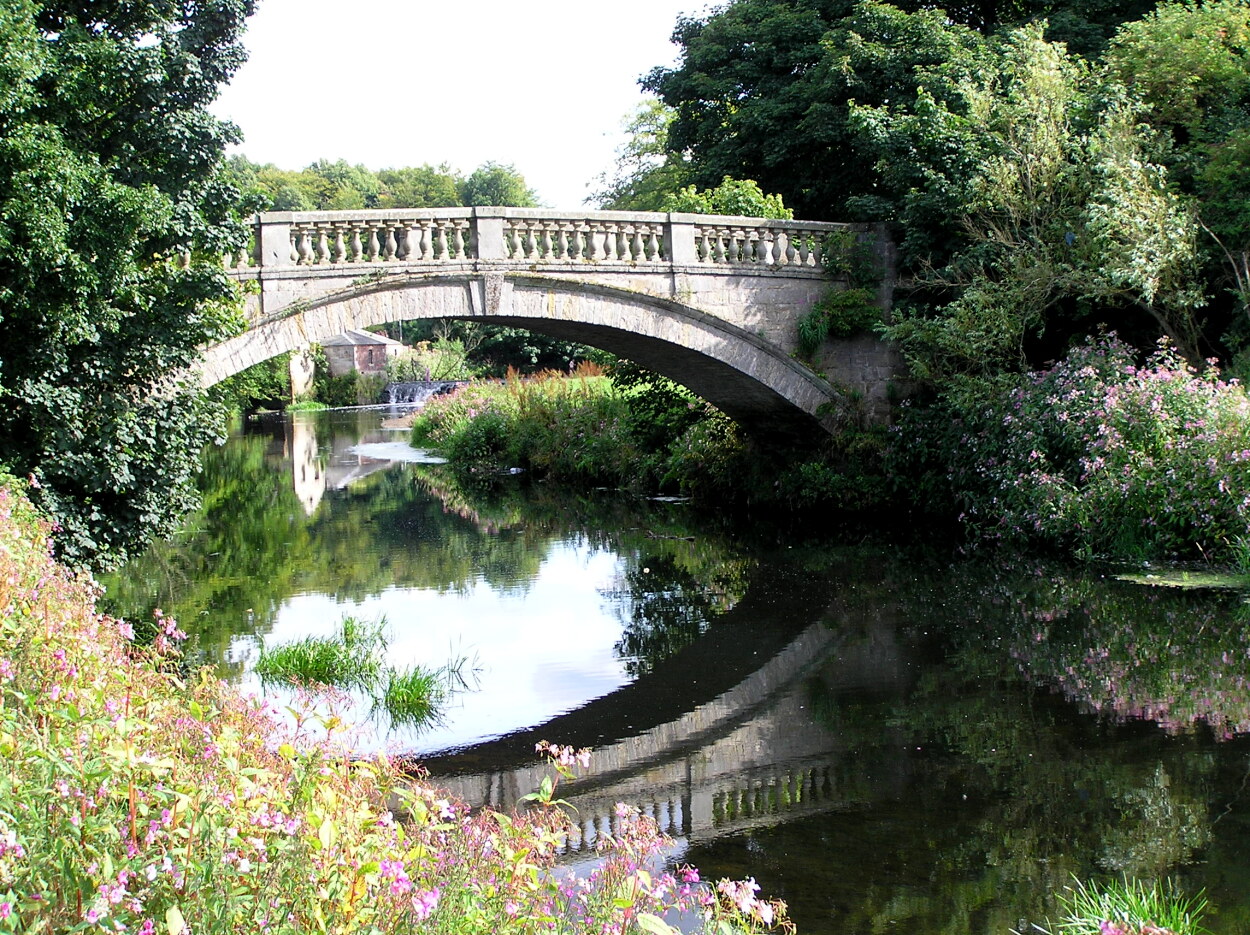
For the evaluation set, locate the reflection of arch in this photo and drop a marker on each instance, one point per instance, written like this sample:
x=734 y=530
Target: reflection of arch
x=735 y=748
x=747 y=376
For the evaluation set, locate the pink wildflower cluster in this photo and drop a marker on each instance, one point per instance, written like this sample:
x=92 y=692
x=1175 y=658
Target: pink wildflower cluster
x=1101 y=455
x=141 y=798
x=564 y=756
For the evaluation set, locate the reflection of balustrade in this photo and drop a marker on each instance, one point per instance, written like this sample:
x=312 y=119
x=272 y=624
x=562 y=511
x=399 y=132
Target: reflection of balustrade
x=746 y=801
x=528 y=237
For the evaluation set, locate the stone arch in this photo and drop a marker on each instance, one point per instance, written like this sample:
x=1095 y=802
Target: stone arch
x=744 y=375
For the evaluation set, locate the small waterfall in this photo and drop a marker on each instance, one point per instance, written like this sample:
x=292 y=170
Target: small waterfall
x=417 y=391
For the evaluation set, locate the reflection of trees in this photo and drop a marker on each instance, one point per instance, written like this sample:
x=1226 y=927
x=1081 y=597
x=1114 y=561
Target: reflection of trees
x=251 y=546
x=974 y=793
x=237 y=557
x=668 y=596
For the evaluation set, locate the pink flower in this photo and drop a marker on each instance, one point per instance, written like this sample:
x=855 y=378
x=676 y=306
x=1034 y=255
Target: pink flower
x=424 y=903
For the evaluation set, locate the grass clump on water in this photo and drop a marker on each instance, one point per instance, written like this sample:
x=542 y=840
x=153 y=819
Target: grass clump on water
x=1130 y=907
x=349 y=660
x=352 y=659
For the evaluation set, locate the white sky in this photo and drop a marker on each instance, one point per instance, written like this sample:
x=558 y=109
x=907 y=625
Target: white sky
x=544 y=86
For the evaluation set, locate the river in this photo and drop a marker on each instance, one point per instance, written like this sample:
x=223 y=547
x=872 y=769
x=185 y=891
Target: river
x=888 y=738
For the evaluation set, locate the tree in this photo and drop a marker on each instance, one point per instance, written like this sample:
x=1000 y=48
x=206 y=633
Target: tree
x=763 y=87
x=114 y=215
x=647 y=172
x=420 y=187
x=1060 y=200
x=1190 y=64
x=495 y=184
x=741 y=197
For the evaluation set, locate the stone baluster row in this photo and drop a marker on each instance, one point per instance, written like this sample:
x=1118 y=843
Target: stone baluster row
x=551 y=240
x=492 y=234
x=585 y=833
x=772 y=795
x=751 y=246
x=319 y=243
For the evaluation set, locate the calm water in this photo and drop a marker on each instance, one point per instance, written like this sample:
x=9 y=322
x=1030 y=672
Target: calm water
x=888 y=739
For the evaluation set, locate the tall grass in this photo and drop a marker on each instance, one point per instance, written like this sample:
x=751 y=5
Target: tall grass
x=353 y=659
x=1130 y=907
x=349 y=660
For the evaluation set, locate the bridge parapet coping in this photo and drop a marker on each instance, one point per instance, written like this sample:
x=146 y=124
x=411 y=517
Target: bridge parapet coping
x=529 y=237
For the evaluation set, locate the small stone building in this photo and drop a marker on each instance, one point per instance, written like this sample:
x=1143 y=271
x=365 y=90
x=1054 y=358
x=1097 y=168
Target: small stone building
x=361 y=351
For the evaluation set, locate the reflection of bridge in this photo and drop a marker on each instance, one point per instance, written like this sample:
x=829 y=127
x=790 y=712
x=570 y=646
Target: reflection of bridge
x=712 y=302
x=751 y=755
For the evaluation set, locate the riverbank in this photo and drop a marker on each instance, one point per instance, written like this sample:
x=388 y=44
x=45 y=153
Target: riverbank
x=1103 y=456
x=140 y=796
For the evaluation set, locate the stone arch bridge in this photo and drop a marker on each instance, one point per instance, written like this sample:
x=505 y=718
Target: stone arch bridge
x=710 y=302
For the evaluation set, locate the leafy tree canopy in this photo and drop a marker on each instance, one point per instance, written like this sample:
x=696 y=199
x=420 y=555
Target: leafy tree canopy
x=732 y=196
x=339 y=186
x=114 y=215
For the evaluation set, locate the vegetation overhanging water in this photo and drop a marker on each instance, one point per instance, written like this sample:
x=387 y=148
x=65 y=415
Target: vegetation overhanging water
x=940 y=744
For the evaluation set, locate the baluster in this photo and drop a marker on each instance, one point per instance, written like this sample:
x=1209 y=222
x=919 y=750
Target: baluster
x=511 y=243
x=811 y=247
x=339 y=252
x=791 y=250
x=566 y=238
x=770 y=245
x=546 y=246
x=375 y=247
x=638 y=247
x=459 y=229
x=654 y=243
x=412 y=242
x=599 y=241
x=815 y=249
x=355 y=250
x=718 y=248
x=305 y=247
x=440 y=240
x=702 y=248
x=323 y=244
x=618 y=242
x=754 y=246
x=426 y=240
x=391 y=247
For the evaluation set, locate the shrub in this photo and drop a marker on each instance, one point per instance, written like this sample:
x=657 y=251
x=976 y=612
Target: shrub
x=1097 y=456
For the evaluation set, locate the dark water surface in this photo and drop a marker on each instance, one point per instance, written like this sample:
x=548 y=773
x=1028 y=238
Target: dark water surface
x=889 y=739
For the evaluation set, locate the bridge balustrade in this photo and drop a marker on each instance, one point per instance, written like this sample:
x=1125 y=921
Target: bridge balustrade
x=529 y=238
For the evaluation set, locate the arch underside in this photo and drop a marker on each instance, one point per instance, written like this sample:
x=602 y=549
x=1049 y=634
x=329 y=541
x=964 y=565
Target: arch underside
x=744 y=376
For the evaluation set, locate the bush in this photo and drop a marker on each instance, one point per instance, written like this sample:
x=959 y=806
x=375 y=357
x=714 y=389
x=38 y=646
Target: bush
x=1097 y=456
x=838 y=315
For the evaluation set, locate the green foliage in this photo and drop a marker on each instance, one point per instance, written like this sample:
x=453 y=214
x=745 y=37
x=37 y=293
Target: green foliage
x=495 y=184
x=1130 y=907
x=732 y=197
x=109 y=180
x=264 y=385
x=1097 y=456
x=646 y=172
x=332 y=186
x=1059 y=202
x=841 y=314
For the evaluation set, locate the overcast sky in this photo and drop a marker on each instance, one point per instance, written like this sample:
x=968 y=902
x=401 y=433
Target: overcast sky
x=544 y=86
